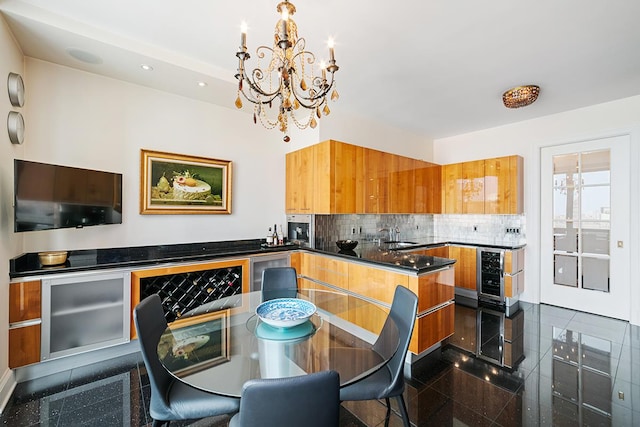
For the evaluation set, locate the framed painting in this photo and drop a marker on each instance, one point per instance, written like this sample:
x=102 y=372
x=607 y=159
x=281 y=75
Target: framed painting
x=195 y=343
x=182 y=184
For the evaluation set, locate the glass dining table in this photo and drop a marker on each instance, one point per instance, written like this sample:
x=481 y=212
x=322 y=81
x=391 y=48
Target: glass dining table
x=218 y=346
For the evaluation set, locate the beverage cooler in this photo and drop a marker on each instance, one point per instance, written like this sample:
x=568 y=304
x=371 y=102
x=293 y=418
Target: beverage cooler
x=500 y=276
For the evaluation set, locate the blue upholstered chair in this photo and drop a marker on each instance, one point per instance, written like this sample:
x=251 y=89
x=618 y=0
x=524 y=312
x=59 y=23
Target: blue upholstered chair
x=309 y=400
x=389 y=381
x=171 y=399
x=279 y=282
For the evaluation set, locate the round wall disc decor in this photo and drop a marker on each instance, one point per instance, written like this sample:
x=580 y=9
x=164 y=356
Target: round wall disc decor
x=15 y=127
x=15 y=85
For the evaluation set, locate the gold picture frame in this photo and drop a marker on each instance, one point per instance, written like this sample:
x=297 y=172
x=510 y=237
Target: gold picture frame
x=196 y=343
x=182 y=184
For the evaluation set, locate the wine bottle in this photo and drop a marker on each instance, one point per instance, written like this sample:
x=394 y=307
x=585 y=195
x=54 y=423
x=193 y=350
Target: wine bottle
x=280 y=235
x=275 y=235
x=269 y=237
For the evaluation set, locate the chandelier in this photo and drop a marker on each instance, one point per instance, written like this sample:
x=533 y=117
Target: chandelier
x=520 y=96
x=285 y=78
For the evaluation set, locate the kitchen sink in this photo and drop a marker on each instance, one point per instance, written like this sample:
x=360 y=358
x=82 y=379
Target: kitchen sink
x=399 y=244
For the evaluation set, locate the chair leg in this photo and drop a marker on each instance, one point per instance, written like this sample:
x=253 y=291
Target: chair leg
x=388 y=417
x=403 y=411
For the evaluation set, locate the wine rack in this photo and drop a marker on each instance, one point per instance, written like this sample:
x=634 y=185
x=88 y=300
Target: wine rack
x=181 y=292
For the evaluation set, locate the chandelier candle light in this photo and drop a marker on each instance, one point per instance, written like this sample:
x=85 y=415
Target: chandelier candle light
x=288 y=79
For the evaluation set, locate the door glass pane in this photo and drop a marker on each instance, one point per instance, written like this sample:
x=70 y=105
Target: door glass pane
x=595 y=167
x=596 y=203
x=566 y=270
x=566 y=239
x=595 y=274
x=595 y=240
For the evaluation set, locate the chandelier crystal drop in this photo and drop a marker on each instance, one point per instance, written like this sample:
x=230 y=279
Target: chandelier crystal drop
x=285 y=78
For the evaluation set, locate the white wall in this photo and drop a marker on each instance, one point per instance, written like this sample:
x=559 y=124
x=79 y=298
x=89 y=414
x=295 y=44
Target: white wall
x=526 y=139
x=85 y=120
x=10 y=244
x=353 y=129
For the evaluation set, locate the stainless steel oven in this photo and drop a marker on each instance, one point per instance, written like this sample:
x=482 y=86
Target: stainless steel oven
x=300 y=230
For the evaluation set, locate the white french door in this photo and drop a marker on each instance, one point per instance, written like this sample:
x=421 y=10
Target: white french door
x=584 y=220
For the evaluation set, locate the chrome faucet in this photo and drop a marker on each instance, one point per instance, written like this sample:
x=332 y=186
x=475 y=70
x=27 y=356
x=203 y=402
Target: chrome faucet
x=394 y=233
x=388 y=230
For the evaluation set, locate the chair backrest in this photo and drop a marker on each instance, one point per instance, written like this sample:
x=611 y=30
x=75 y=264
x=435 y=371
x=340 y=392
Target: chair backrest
x=150 y=323
x=309 y=400
x=279 y=282
x=403 y=313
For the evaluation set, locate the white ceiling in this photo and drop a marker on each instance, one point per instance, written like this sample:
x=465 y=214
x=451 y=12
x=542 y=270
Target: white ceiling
x=437 y=67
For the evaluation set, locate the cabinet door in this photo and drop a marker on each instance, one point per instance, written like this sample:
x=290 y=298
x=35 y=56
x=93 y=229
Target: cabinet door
x=328 y=270
x=452 y=188
x=24 y=301
x=377 y=164
x=336 y=177
x=466 y=274
x=299 y=183
x=503 y=185
x=24 y=346
x=375 y=283
x=433 y=289
x=432 y=328
x=434 y=188
x=401 y=184
x=473 y=187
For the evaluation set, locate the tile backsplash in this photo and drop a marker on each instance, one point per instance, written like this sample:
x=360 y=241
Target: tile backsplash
x=489 y=229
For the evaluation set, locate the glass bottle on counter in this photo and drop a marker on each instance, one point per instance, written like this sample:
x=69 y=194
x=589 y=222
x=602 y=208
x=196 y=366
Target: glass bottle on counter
x=280 y=235
x=270 y=237
x=275 y=235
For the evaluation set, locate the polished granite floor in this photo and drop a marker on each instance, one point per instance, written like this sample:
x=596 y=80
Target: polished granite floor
x=574 y=369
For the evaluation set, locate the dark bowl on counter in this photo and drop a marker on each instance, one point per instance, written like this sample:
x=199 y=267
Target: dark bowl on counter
x=347 y=245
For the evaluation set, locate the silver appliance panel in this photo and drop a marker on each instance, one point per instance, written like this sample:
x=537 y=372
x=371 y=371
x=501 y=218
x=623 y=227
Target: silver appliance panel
x=300 y=229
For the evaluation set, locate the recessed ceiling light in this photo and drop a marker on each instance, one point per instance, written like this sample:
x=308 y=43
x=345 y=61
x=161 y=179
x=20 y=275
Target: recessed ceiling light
x=84 y=56
x=146 y=67
x=202 y=84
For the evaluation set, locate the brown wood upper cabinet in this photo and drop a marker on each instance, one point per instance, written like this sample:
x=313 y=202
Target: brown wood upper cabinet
x=489 y=186
x=335 y=177
x=299 y=184
x=473 y=187
x=504 y=185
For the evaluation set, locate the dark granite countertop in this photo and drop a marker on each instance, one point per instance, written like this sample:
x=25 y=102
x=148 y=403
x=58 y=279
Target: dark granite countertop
x=28 y=264
x=389 y=255
x=385 y=255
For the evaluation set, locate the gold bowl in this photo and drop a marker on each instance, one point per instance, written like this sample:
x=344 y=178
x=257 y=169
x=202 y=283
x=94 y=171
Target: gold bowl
x=52 y=258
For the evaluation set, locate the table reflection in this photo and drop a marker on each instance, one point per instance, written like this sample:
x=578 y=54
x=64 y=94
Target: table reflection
x=219 y=346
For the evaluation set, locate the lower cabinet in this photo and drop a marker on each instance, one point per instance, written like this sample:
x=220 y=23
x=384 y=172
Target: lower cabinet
x=466 y=271
x=435 y=293
x=432 y=327
x=84 y=312
x=24 y=323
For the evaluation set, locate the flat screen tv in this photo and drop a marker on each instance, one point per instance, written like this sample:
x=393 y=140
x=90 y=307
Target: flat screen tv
x=50 y=196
